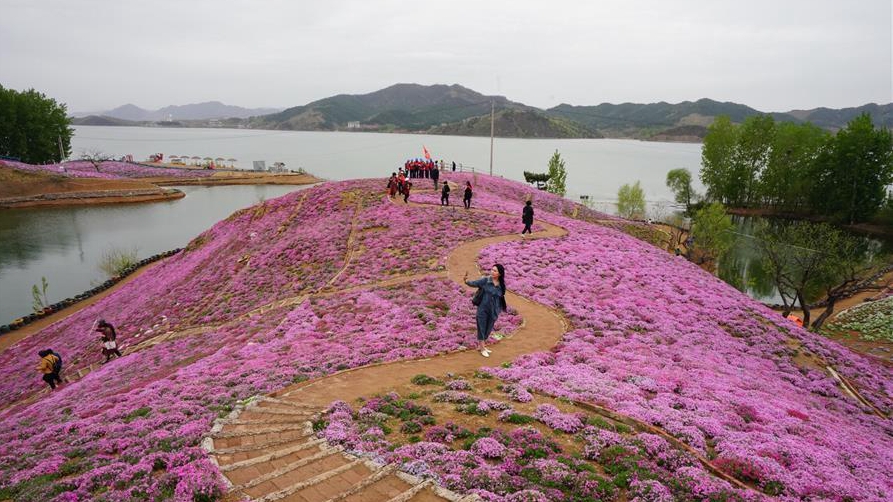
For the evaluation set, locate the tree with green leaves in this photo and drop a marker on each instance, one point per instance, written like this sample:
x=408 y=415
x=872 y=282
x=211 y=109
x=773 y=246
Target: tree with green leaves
x=631 y=201
x=852 y=174
x=752 y=152
x=679 y=182
x=537 y=179
x=557 y=175
x=711 y=232
x=787 y=180
x=717 y=159
x=813 y=261
x=33 y=127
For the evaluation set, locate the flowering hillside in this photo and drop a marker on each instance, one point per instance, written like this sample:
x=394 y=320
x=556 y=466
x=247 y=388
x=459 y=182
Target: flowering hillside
x=656 y=338
x=146 y=412
x=336 y=277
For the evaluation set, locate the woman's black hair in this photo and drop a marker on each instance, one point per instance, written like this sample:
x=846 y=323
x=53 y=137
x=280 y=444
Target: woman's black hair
x=43 y=353
x=501 y=270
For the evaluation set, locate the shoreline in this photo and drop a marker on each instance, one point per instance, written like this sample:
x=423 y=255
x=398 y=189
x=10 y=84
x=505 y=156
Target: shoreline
x=247 y=179
x=9 y=339
x=90 y=198
x=28 y=189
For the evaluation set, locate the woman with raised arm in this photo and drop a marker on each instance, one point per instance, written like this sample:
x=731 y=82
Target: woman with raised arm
x=492 y=303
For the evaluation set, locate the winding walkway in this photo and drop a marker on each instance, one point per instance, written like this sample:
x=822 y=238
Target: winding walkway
x=267 y=450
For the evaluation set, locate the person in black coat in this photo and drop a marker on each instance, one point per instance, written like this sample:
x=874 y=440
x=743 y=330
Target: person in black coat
x=527 y=218
x=445 y=194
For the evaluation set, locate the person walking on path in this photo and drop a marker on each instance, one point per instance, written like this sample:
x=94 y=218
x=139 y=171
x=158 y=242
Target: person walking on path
x=527 y=218
x=406 y=186
x=401 y=183
x=50 y=365
x=109 y=340
x=392 y=186
x=492 y=302
x=466 y=198
x=454 y=166
x=445 y=194
x=435 y=175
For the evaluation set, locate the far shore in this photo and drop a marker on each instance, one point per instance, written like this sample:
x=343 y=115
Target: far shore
x=21 y=189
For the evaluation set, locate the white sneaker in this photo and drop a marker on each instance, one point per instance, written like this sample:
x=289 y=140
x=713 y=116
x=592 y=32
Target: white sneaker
x=488 y=351
x=485 y=353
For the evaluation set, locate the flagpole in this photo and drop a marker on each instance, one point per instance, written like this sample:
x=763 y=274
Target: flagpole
x=492 y=115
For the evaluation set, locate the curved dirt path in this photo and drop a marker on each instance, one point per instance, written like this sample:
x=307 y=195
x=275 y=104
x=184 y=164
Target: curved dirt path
x=267 y=451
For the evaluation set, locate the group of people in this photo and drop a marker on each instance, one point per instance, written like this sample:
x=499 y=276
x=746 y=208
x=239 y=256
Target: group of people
x=50 y=364
x=424 y=168
x=398 y=183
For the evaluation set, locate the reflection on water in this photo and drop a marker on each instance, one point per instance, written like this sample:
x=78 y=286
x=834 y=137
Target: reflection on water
x=65 y=244
x=745 y=270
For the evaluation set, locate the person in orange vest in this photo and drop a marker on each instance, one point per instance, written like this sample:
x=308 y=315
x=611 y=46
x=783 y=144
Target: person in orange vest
x=796 y=320
x=401 y=183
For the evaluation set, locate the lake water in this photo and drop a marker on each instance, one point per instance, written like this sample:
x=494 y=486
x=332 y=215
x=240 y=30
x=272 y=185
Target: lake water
x=65 y=245
x=595 y=167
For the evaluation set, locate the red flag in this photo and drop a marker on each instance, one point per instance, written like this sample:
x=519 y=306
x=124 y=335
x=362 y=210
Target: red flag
x=427 y=155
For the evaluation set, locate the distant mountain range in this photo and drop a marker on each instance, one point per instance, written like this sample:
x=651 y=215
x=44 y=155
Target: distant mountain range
x=195 y=111
x=457 y=110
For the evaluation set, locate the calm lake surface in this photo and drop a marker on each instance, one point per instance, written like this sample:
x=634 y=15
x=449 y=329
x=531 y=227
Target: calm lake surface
x=65 y=244
x=595 y=167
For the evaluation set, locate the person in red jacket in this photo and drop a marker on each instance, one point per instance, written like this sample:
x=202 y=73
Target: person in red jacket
x=392 y=186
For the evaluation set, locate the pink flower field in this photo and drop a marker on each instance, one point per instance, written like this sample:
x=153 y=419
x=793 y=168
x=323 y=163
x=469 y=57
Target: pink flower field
x=288 y=290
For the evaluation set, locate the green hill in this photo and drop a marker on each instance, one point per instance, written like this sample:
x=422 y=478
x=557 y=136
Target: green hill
x=454 y=109
x=518 y=124
x=410 y=107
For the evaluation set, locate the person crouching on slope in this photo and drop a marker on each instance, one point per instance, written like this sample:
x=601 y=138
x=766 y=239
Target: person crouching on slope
x=109 y=340
x=50 y=365
x=492 y=302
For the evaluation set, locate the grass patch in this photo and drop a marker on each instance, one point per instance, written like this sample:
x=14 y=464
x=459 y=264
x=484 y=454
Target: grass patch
x=137 y=413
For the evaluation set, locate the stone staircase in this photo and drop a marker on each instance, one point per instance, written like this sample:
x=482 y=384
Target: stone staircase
x=267 y=451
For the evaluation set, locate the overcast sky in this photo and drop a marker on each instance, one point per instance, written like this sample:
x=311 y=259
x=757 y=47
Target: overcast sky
x=772 y=55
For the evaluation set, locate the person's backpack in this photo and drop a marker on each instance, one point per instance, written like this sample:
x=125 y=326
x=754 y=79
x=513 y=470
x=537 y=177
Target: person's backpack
x=57 y=367
x=478 y=297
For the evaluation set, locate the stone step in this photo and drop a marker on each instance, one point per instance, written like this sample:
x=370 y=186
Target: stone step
x=323 y=453
x=287 y=402
x=270 y=410
x=260 y=447
x=271 y=455
x=268 y=420
x=252 y=430
x=315 y=480
x=365 y=483
x=410 y=493
x=268 y=437
x=284 y=479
